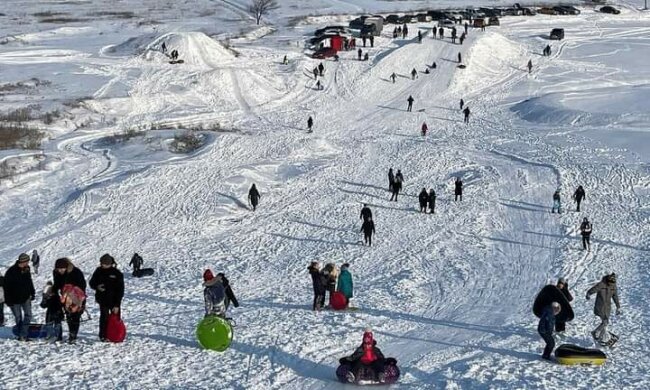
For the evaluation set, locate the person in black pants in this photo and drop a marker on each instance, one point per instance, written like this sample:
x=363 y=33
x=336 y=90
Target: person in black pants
x=424 y=199
x=585 y=230
x=366 y=213
x=562 y=285
x=108 y=283
x=578 y=196
x=458 y=189
x=136 y=263
x=318 y=285
x=230 y=295
x=254 y=195
x=545 y=328
x=66 y=273
x=432 y=201
x=368 y=229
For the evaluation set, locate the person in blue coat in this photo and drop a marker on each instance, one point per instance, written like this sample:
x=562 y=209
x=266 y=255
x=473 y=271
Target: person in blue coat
x=345 y=284
x=546 y=326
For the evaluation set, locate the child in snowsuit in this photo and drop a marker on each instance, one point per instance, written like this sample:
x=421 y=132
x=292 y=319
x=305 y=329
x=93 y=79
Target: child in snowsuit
x=557 y=202
x=368 y=356
x=53 y=314
x=214 y=295
x=545 y=327
x=345 y=285
x=605 y=291
x=425 y=128
x=319 y=287
x=136 y=263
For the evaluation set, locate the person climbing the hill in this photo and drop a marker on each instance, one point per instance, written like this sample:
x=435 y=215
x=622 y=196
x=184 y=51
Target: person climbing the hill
x=434 y=32
x=366 y=213
x=462 y=103
x=466 y=113
x=399 y=178
x=330 y=273
x=108 y=283
x=432 y=201
x=136 y=263
x=410 y=101
x=530 y=66
x=424 y=128
x=315 y=73
x=462 y=38
x=391 y=179
x=19 y=293
x=285 y=60
x=562 y=285
x=460 y=58
x=318 y=285
x=368 y=355
x=397 y=186
x=424 y=199
x=2 y=300
x=310 y=124
x=605 y=291
x=545 y=327
x=458 y=189
x=368 y=229
x=434 y=65
x=345 y=285
x=230 y=295
x=214 y=295
x=321 y=69
x=578 y=196
x=585 y=231
x=164 y=48
x=393 y=76
x=365 y=56
x=318 y=85
x=419 y=36
x=70 y=281
x=557 y=202
x=359 y=53
x=53 y=313
x=254 y=195
x=441 y=32
x=414 y=74
x=36 y=261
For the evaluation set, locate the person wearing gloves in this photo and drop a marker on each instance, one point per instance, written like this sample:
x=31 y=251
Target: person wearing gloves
x=19 y=294
x=605 y=291
x=108 y=283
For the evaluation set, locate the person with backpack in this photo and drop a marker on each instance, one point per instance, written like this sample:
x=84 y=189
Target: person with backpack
x=578 y=196
x=310 y=124
x=345 y=285
x=368 y=229
x=458 y=189
x=318 y=286
x=546 y=326
x=432 y=201
x=108 y=283
x=605 y=291
x=366 y=213
x=557 y=202
x=214 y=295
x=2 y=300
x=425 y=128
x=136 y=263
x=563 y=286
x=53 y=313
x=254 y=196
x=70 y=285
x=466 y=113
x=410 y=101
x=391 y=179
x=230 y=295
x=424 y=199
x=585 y=231
x=19 y=294
x=414 y=74
x=36 y=261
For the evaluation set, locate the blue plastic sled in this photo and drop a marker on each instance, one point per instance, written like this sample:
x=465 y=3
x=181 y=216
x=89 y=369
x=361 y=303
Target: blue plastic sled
x=36 y=331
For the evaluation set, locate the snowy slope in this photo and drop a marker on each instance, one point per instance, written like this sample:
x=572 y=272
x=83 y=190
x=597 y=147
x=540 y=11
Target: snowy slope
x=448 y=294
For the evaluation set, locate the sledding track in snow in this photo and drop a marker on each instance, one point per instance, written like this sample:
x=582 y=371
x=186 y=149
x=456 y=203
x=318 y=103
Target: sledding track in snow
x=448 y=294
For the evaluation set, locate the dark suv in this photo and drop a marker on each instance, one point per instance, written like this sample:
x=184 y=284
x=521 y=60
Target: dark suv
x=557 y=33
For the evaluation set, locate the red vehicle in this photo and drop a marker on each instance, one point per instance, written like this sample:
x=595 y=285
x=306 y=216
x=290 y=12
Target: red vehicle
x=323 y=53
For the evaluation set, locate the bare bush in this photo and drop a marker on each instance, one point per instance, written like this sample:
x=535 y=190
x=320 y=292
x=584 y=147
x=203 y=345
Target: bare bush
x=122 y=137
x=49 y=117
x=17 y=136
x=62 y=20
x=186 y=142
x=261 y=8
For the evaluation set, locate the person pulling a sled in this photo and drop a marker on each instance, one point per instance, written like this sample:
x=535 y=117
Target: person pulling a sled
x=605 y=291
x=136 y=263
x=366 y=357
x=214 y=295
x=108 y=283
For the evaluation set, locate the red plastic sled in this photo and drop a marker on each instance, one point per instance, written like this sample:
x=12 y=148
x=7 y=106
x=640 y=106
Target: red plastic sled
x=115 y=329
x=338 y=301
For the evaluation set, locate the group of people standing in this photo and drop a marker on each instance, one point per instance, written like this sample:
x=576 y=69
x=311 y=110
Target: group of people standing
x=328 y=281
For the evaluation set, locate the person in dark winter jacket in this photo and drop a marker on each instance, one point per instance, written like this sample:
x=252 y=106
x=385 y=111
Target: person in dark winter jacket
x=108 y=283
x=230 y=295
x=557 y=202
x=545 y=327
x=393 y=76
x=530 y=66
x=434 y=65
x=458 y=189
x=466 y=113
x=410 y=101
x=310 y=124
x=578 y=196
x=321 y=69
x=19 y=294
x=391 y=179
x=66 y=273
x=424 y=129
x=441 y=32
x=36 y=260
x=368 y=229
x=424 y=199
x=136 y=262
x=585 y=231
x=563 y=286
x=345 y=285
x=319 y=287
x=432 y=201
x=605 y=291
x=214 y=295
x=460 y=58
x=366 y=213
x=367 y=355
x=359 y=53
x=462 y=103
x=254 y=195
x=397 y=185
x=53 y=313
x=315 y=73
x=419 y=36
x=2 y=300
x=329 y=274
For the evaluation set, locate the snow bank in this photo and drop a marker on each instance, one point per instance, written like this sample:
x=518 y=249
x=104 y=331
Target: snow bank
x=194 y=48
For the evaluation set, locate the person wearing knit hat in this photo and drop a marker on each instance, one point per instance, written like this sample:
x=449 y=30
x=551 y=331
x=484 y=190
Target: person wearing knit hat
x=65 y=273
x=108 y=283
x=562 y=285
x=214 y=295
x=19 y=293
x=319 y=285
x=367 y=356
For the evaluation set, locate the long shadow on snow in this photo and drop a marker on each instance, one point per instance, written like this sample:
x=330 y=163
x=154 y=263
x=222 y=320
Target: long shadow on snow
x=507 y=241
x=167 y=339
x=399 y=44
x=606 y=242
x=318 y=226
x=234 y=199
x=303 y=239
x=523 y=208
x=392 y=108
x=538 y=206
x=384 y=189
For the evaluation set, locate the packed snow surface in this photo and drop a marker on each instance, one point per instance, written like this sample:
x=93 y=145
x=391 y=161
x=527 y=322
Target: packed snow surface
x=448 y=294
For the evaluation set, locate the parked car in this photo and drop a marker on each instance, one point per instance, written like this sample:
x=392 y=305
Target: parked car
x=392 y=19
x=494 y=21
x=407 y=19
x=557 y=33
x=570 y=10
x=323 y=53
x=356 y=24
x=528 y=11
x=423 y=17
x=547 y=11
x=332 y=29
x=608 y=9
x=445 y=22
x=512 y=12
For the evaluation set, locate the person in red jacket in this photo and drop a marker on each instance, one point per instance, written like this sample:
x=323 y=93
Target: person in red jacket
x=367 y=355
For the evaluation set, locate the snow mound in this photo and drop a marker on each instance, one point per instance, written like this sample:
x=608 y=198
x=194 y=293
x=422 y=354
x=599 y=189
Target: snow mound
x=194 y=48
x=132 y=46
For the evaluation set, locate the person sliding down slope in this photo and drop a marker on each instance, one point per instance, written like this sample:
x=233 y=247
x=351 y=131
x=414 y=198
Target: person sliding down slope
x=214 y=295
x=367 y=355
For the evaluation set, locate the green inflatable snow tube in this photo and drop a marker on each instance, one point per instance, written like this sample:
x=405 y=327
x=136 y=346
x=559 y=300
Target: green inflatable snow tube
x=214 y=333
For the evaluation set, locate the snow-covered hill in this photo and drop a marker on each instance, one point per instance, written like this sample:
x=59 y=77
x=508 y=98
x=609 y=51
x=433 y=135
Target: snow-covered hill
x=449 y=295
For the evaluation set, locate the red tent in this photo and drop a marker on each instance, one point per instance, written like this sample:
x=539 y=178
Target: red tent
x=337 y=42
